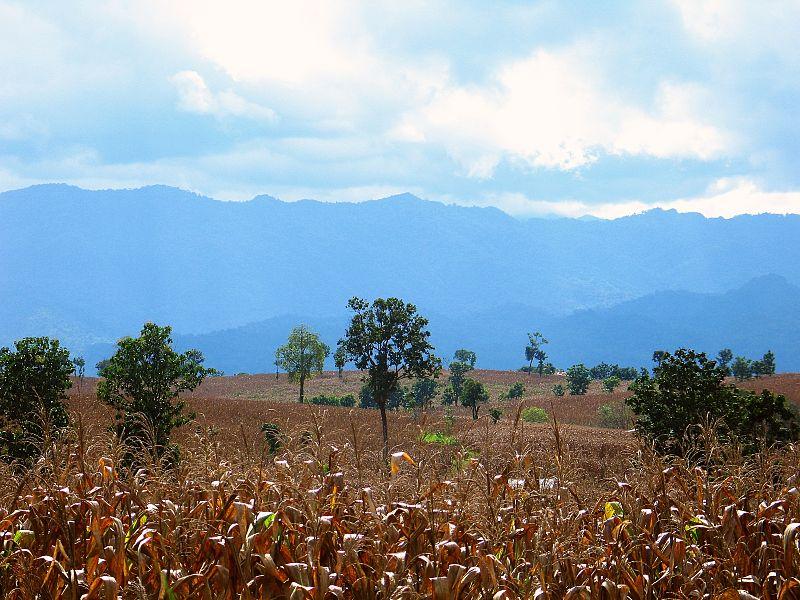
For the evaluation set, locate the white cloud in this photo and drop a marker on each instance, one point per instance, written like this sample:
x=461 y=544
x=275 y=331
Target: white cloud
x=725 y=198
x=196 y=97
x=548 y=110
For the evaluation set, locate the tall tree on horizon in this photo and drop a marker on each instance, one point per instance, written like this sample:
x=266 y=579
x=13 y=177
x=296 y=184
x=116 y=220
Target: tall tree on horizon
x=534 y=351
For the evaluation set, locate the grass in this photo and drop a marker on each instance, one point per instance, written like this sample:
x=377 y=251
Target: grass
x=437 y=437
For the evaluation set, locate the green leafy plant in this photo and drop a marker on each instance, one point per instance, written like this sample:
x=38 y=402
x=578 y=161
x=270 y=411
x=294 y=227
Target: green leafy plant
x=534 y=414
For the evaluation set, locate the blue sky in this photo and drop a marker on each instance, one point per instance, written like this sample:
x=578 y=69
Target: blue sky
x=564 y=108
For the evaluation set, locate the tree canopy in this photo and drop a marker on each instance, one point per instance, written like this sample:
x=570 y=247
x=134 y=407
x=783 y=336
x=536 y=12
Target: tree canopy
x=143 y=380
x=302 y=356
x=389 y=341
x=34 y=378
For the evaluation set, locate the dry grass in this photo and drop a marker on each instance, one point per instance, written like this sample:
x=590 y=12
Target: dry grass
x=510 y=510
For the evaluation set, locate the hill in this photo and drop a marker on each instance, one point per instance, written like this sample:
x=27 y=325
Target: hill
x=90 y=266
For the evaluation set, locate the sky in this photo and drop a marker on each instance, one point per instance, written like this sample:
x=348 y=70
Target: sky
x=537 y=108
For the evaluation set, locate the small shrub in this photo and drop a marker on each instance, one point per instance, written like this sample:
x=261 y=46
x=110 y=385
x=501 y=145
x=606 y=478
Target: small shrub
x=516 y=391
x=325 y=400
x=611 y=383
x=558 y=390
x=534 y=414
x=449 y=419
x=495 y=415
x=614 y=416
x=437 y=437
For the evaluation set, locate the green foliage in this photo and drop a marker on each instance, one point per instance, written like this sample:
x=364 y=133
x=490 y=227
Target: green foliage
x=347 y=401
x=558 y=390
x=437 y=437
x=449 y=419
x=604 y=371
x=687 y=390
x=449 y=396
x=534 y=351
x=495 y=414
x=34 y=378
x=765 y=366
x=390 y=342
x=534 y=414
x=724 y=359
x=611 y=383
x=615 y=415
x=302 y=356
x=366 y=399
x=515 y=391
x=339 y=359
x=578 y=379
x=143 y=380
x=423 y=392
x=464 y=363
x=473 y=394
x=742 y=368
x=272 y=435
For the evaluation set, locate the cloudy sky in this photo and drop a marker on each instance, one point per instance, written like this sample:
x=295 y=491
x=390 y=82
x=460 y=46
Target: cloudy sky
x=565 y=108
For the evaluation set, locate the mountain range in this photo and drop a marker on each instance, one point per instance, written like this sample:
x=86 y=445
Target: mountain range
x=233 y=277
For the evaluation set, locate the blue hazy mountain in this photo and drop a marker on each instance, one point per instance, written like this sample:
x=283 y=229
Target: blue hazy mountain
x=90 y=266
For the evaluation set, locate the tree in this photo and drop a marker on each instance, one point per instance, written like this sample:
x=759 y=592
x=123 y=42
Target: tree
x=302 y=356
x=473 y=395
x=423 y=392
x=659 y=355
x=464 y=363
x=687 y=390
x=558 y=390
x=724 y=359
x=578 y=379
x=79 y=364
x=765 y=366
x=611 y=383
x=388 y=340
x=742 y=368
x=339 y=361
x=143 y=380
x=533 y=351
x=34 y=378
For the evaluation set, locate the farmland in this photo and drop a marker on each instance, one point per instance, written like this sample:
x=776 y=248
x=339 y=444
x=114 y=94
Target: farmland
x=509 y=510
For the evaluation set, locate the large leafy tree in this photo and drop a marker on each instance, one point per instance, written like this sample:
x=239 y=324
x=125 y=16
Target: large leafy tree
x=302 y=356
x=389 y=341
x=724 y=358
x=34 y=378
x=535 y=352
x=143 y=381
x=687 y=389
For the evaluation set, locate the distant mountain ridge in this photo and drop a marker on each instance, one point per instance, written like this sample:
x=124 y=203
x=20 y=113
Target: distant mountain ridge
x=91 y=266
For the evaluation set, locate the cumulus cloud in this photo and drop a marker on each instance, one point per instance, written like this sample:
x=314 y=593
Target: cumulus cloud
x=548 y=110
x=196 y=97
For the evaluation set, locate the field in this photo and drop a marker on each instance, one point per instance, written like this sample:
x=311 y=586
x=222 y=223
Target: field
x=507 y=510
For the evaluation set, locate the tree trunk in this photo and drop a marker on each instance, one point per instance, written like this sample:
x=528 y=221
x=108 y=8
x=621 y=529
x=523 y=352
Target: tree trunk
x=530 y=369
x=385 y=428
x=475 y=409
x=302 y=386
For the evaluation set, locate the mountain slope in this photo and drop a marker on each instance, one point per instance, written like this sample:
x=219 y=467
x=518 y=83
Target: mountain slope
x=93 y=265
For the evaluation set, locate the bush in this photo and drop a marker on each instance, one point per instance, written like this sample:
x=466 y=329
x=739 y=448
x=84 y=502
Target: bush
x=437 y=437
x=578 y=379
x=558 y=390
x=516 y=391
x=614 y=416
x=347 y=400
x=495 y=414
x=34 y=378
x=611 y=383
x=688 y=390
x=534 y=414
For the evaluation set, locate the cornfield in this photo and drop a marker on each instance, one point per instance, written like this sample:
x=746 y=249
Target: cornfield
x=513 y=511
